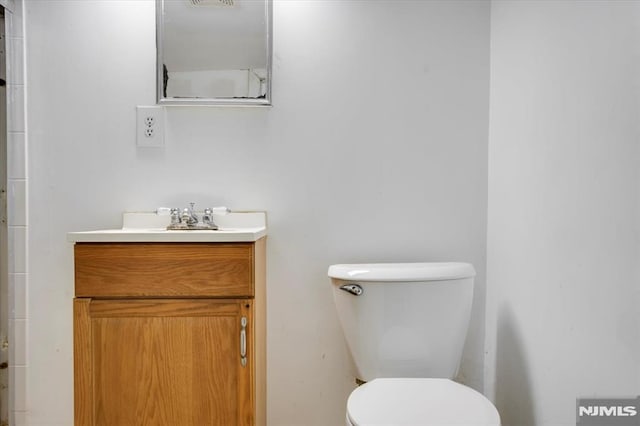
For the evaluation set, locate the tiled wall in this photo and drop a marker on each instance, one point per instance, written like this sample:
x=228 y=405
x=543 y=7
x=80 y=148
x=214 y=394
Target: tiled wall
x=17 y=212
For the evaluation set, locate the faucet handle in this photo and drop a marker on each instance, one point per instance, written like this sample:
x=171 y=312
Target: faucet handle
x=207 y=216
x=175 y=216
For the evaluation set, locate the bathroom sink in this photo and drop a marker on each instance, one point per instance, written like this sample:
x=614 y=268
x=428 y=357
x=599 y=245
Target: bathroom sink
x=150 y=227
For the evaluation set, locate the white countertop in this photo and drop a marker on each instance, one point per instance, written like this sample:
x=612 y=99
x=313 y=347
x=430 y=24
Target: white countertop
x=149 y=227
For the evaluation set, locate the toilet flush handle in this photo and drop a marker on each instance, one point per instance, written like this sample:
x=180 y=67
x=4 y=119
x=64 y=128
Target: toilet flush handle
x=354 y=289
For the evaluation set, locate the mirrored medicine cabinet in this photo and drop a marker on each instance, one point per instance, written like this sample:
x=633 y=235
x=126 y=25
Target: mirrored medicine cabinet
x=213 y=52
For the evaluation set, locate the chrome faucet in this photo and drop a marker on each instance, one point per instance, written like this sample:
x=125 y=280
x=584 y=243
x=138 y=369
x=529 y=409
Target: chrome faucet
x=187 y=219
x=189 y=216
x=207 y=217
x=175 y=216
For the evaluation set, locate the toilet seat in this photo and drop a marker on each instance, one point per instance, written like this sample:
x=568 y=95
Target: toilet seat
x=419 y=402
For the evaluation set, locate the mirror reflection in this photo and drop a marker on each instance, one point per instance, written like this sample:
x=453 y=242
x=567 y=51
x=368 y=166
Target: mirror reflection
x=214 y=51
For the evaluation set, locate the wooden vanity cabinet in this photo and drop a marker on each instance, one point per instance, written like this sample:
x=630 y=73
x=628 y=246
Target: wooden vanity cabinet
x=159 y=331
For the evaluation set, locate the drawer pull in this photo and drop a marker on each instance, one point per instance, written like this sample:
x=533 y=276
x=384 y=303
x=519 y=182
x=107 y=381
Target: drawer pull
x=243 y=341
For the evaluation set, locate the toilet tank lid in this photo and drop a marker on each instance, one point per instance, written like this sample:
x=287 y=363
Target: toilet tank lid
x=426 y=271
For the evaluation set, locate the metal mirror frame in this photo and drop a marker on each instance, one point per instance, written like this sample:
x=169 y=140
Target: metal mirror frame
x=161 y=100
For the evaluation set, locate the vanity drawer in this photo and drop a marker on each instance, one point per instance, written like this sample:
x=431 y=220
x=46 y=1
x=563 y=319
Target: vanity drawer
x=164 y=269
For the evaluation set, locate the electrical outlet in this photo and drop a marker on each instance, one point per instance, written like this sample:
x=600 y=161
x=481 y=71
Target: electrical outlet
x=150 y=126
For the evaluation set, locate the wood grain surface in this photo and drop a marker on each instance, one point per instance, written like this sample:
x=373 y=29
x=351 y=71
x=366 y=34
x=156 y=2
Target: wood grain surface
x=158 y=341
x=175 y=362
x=164 y=270
x=83 y=371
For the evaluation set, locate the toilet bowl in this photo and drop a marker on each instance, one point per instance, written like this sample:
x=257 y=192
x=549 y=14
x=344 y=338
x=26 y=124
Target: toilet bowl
x=417 y=402
x=405 y=325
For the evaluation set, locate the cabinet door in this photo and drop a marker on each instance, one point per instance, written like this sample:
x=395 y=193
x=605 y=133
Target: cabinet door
x=163 y=362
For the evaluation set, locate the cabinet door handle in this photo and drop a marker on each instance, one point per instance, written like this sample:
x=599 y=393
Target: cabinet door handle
x=243 y=341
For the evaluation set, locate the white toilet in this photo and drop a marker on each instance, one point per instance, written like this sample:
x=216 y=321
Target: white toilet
x=405 y=325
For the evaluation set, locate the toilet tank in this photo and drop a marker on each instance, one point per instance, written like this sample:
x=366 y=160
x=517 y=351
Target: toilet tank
x=409 y=320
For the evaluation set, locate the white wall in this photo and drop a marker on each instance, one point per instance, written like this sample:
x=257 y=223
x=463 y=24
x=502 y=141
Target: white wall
x=564 y=215
x=375 y=150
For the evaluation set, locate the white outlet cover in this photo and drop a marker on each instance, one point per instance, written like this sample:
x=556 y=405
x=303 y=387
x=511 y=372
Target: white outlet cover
x=149 y=126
